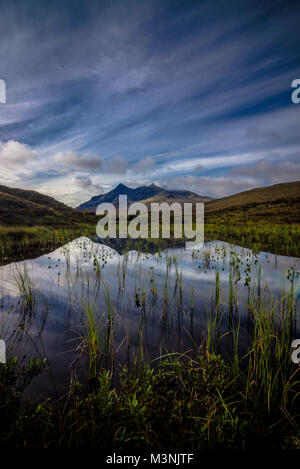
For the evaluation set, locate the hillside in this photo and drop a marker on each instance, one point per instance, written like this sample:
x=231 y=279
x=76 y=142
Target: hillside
x=30 y=208
x=279 y=203
x=146 y=194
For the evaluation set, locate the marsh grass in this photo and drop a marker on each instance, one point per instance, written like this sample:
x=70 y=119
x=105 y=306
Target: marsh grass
x=258 y=384
x=283 y=239
x=18 y=242
x=26 y=289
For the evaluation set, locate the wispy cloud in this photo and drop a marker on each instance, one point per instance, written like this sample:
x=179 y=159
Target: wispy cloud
x=194 y=94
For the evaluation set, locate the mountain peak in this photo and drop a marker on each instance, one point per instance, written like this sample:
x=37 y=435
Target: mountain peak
x=140 y=193
x=121 y=189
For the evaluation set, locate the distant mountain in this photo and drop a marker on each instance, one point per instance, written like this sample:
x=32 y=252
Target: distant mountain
x=277 y=204
x=146 y=194
x=30 y=208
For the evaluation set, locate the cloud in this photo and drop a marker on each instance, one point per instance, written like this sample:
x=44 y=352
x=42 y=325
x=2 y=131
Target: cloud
x=263 y=135
x=239 y=179
x=85 y=182
x=134 y=79
x=265 y=172
x=208 y=186
x=17 y=161
x=204 y=89
x=14 y=153
x=199 y=168
x=77 y=160
x=70 y=189
x=117 y=165
x=144 y=164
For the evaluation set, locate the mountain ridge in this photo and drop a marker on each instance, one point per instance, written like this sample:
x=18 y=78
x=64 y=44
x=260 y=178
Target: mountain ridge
x=146 y=194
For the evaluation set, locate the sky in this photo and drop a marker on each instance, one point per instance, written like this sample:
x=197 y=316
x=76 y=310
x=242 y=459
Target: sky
x=185 y=94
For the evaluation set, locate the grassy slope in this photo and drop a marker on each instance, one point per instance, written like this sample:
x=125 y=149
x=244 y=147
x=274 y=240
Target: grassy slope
x=266 y=219
x=29 y=208
x=277 y=204
x=166 y=198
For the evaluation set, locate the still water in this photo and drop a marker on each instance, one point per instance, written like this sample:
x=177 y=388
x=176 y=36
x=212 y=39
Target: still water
x=144 y=305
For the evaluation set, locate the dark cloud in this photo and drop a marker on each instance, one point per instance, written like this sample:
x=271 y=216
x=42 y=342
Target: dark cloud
x=85 y=182
x=77 y=160
x=116 y=165
x=265 y=172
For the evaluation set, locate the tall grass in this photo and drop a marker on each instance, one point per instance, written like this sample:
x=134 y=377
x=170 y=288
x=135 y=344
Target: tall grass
x=266 y=371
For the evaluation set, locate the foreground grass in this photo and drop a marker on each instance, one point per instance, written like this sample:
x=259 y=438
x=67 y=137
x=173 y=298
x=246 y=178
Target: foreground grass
x=182 y=403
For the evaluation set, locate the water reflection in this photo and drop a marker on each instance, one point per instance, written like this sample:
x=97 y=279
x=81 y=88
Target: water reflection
x=151 y=303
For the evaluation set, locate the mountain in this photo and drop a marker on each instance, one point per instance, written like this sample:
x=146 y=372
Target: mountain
x=146 y=194
x=30 y=208
x=278 y=203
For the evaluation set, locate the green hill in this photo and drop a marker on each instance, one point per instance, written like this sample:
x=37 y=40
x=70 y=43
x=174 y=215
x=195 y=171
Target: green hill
x=30 y=208
x=279 y=203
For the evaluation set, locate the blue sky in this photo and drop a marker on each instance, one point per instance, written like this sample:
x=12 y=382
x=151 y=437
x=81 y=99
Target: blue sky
x=186 y=94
